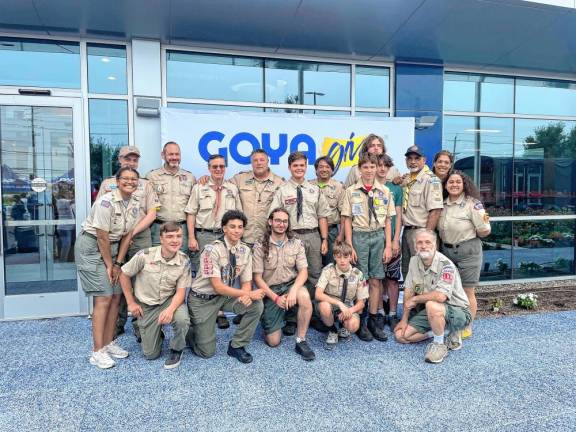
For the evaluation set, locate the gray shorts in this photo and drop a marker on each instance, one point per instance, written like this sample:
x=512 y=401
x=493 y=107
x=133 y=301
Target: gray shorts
x=467 y=256
x=91 y=268
x=456 y=318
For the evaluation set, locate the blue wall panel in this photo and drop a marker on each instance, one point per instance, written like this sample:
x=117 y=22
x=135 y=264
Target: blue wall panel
x=419 y=90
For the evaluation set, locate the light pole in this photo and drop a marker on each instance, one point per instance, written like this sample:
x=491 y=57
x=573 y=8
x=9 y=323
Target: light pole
x=314 y=94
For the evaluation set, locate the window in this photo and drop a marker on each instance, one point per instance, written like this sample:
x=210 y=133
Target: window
x=372 y=87
x=106 y=69
x=478 y=93
x=545 y=97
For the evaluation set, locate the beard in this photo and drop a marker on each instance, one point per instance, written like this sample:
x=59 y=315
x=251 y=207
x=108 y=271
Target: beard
x=424 y=255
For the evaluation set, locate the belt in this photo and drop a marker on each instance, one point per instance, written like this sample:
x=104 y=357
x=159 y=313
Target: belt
x=96 y=238
x=305 y=230
x=203 y=296
x=213 y=231
x=411 y=227
x=453 y=246
x=333 y=225
x=290 y=282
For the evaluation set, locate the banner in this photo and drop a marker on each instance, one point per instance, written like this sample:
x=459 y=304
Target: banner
x=235 y=135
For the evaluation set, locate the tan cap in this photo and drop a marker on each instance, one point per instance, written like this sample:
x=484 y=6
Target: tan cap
x=126 y=150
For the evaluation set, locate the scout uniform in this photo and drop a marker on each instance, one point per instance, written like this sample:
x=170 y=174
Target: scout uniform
x=219 y=259
x=457 y=227
x=332 y=191
x=354 y=175
x=304 y=220
x=256 y=197
x=155 y=283
x=393 y=268
x=112 y=214
x=441 y=276
x=368 y=212
x=348 y=287
x=422 y=194
x=279 y=271
x=203 y=204
x=173 y=191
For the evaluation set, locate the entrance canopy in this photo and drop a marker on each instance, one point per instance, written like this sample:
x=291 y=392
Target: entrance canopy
x=504 y=34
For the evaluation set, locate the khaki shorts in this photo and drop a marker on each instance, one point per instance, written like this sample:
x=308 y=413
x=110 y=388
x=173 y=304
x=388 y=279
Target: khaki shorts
x=467 y=256
x=91 y=268
x=456 y=318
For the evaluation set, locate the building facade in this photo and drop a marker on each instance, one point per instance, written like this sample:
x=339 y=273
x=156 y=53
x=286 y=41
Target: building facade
x=77 y=84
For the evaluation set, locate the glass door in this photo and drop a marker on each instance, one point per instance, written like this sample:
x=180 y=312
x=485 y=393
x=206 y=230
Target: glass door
x=44 y=193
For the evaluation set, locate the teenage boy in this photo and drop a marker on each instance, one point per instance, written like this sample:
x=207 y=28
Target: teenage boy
x=367 y=207
x=340 y=294
x=222 y=262
x=392 y=269
x=281 y=270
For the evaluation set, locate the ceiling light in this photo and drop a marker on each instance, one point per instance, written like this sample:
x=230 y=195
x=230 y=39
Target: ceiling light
x=105 y=60
x=112 y=78
x=483 y=130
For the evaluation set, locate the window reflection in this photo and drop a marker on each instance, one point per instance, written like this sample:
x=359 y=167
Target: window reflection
x=543 y=248
x=106 y=69
x=372 y=87
x=497 y=247
x=108 y=132
x=214 y=77
x=545 y=97
x=39 y=63
x=544 y=167
x=478 y=93
x=210 y=107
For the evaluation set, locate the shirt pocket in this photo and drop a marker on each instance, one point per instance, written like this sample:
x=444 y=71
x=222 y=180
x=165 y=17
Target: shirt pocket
x=185 y=187
x=161 y=188
x=290 y=258
x=415 y=198
x=206 y=201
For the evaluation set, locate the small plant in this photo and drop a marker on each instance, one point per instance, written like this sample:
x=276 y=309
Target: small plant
x=501 y=265
x=526 y=301
x=497 y=304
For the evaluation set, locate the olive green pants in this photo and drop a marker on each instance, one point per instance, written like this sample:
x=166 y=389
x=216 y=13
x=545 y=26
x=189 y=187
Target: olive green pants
x=202 y=334
x=150 y=329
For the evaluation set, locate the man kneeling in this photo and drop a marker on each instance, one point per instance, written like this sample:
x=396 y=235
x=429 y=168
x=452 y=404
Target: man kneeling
x=433 y=300
x=222 y=263
x=162 y=274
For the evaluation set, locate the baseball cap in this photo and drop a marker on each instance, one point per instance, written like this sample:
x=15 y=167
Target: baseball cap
x=414 y=149
x=126 y=150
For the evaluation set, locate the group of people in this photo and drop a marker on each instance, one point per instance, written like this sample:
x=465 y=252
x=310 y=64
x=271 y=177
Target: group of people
x=286 y=254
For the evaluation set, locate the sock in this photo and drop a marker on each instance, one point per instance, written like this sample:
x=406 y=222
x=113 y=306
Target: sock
x=298 y=340
x=439 y=339
x=381 y=312
x=392 y=313
x=333 y=329
x=385 y=297
x=429 y=334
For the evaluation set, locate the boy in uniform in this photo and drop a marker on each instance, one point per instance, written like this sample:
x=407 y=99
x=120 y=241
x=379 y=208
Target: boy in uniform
x=340 y=294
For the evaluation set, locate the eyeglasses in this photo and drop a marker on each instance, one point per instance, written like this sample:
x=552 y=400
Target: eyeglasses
x=280 y=221
x=217 y=166
x=129 y=179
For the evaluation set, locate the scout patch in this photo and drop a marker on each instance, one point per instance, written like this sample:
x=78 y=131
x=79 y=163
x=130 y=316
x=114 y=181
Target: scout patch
x=357 y=209
x=207 y=265
x=135 y=211
x=105 y=204
x=478 y=206
x=241 y=249
x=183 y=177
x=290 y=201
x=352 y=279
x=418 y=289
x=486 y=218
x=356 y=195
x=448 y=274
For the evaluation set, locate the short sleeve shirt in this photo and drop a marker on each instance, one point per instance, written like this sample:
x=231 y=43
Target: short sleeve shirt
x=256 y=197
x=112 y=214
x=355 y=206
x=202 y=203
x=314 y=205
x=461 y=218
x=148 y=198
x=333 y=191
x=354 y=175
x=155 y=278
x=397 y=195
x=441 y=276
x=173 y=191
x=332 y=283
x=283 y=263
x=425 y=195
x=215 y=263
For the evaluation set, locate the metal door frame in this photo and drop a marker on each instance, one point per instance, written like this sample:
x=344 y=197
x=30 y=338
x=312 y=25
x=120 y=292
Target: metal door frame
x=53 y=304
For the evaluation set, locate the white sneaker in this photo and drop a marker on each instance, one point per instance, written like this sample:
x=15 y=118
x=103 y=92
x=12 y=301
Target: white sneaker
x=343 y=333
x=115 y=350
x=454 y=341
x=101 y=359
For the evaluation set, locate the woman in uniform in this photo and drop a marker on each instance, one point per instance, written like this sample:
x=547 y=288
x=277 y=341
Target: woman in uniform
x=99 y=255
x=443 y=162
x=462 y=223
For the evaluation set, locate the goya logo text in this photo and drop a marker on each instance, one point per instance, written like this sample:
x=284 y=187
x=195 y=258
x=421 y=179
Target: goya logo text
x=344 y=152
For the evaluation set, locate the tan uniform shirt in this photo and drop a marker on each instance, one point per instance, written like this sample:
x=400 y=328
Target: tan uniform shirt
x=215 y=262
x=354 y=175
x=256 y=197
x=333 y=192
x=173 y=192
x=202 y=203
x=157 y=279
x=331 y=281
x=283 y=263
x=425 y=195
x=441 y=276
x=461 y=219
x=314 y=205
x=145 y=191
x=355 y=206
x=110 y=214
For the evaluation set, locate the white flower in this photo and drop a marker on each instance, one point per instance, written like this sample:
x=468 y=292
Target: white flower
x=515 y=301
